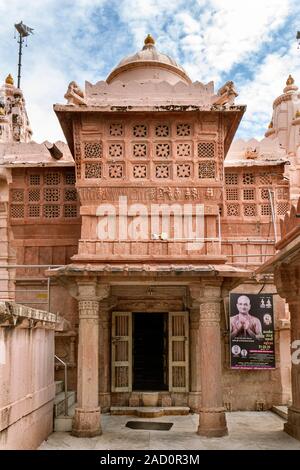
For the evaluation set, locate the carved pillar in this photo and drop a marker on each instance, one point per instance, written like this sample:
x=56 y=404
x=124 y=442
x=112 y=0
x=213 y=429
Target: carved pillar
x=104 y=356
x=287 y=281
x=86 y=421
x=195 y=366
x=212 y=420
x=292 y=426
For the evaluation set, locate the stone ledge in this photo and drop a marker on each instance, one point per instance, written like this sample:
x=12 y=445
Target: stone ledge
x=149 y=412
x=13 y=314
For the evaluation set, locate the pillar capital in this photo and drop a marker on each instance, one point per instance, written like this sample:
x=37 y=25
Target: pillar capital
x=205 y=292
x=210 y=312
x=91 y=289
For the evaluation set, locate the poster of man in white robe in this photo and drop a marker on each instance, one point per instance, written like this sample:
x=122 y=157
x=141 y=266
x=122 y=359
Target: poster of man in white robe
x=252 y=331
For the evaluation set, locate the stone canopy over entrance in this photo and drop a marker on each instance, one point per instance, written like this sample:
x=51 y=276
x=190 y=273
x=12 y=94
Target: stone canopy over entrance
x=185 y=304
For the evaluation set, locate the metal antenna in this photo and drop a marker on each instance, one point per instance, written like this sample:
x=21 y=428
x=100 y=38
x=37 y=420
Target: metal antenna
x=298 y=38
x=23 y=31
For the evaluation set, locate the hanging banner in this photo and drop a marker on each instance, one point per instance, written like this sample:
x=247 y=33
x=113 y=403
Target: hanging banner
x=252 y=331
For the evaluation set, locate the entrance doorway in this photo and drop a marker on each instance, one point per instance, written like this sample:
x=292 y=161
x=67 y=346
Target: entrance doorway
x=150 y=351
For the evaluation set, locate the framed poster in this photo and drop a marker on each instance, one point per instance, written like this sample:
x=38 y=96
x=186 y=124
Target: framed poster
x=251 y=331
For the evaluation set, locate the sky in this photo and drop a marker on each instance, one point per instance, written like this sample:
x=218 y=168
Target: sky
x=252 y=43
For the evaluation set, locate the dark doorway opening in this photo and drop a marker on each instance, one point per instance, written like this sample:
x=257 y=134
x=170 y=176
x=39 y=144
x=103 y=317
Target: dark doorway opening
x=150 y=351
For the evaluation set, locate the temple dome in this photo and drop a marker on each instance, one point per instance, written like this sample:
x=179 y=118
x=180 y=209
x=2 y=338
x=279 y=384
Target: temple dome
x=148 y=64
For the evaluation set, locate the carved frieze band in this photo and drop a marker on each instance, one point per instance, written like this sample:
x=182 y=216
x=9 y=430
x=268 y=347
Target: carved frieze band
x=149 y=194
x=210 y=312
x=88 y=309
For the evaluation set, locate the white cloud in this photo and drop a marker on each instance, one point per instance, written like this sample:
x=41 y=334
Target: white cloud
x=268 y=83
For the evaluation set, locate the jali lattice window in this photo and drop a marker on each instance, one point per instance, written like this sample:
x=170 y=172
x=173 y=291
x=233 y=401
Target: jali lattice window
x=34 y=195
x=264 y=193
x=140 y=150
x=162 y=130
x=17 y=211
x=282 y=208
x=92 y=150
x=51 y=194
x=206 y=150
x=51 y=211
x=140 y=130
x=116 y=129
x=232 y=194
x=34 y=180
x=162 y=150
x=265 y=209
x=162 y=171
x=70 y=194
x=115 y=150
x=265 y=178
x=46 y=196
x=248 y=194
x=207 y=170
x=231 y=179
x=248 y=178
x=233 y=210
x=70 y=178
x=115 y=171
x=93 y=170
x=33 y=210
x=70 y=210
x=52 y=179
x=17 y=195
x=250 y=210
x=183 y=129
x=140 y=171
x=184 y=150
x=184 y=170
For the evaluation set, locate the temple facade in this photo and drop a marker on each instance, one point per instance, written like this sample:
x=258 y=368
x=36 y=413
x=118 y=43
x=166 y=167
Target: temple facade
x=137 y=231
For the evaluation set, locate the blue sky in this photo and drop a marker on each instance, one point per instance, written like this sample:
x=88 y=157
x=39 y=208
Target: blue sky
x=250 y=42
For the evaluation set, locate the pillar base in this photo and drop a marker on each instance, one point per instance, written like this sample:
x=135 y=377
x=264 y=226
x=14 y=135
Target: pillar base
x=86 y=423
x=194 y=401
x=292 y=427
x=212 y=422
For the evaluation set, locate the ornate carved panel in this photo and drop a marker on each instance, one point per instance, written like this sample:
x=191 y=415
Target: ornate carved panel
x=183 y=129
x=162 y=130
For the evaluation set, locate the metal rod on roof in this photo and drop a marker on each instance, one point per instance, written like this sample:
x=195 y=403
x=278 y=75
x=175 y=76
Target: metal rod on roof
x=23 y=31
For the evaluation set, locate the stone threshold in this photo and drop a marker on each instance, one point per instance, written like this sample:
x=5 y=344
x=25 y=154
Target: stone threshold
x=149 y=411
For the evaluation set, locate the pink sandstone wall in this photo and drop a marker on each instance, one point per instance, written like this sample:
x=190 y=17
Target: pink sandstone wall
x=27 y=385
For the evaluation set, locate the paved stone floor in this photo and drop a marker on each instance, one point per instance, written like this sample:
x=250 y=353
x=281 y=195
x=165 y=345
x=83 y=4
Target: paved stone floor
x=247 y=430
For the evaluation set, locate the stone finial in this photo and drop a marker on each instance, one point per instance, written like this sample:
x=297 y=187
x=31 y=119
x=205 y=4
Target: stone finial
x=290 y=80
x=149 y=40
x=226 y=94
x=74 y=94
x=9 y=80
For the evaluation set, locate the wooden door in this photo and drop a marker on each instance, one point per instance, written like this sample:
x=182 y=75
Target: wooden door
x=178 y=352
x=121 y=376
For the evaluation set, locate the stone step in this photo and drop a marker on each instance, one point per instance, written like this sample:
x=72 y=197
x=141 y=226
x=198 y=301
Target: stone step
x=64 y=423
x=281 y=411
x=59 y=386
x=149 y=411
x=59 y=402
